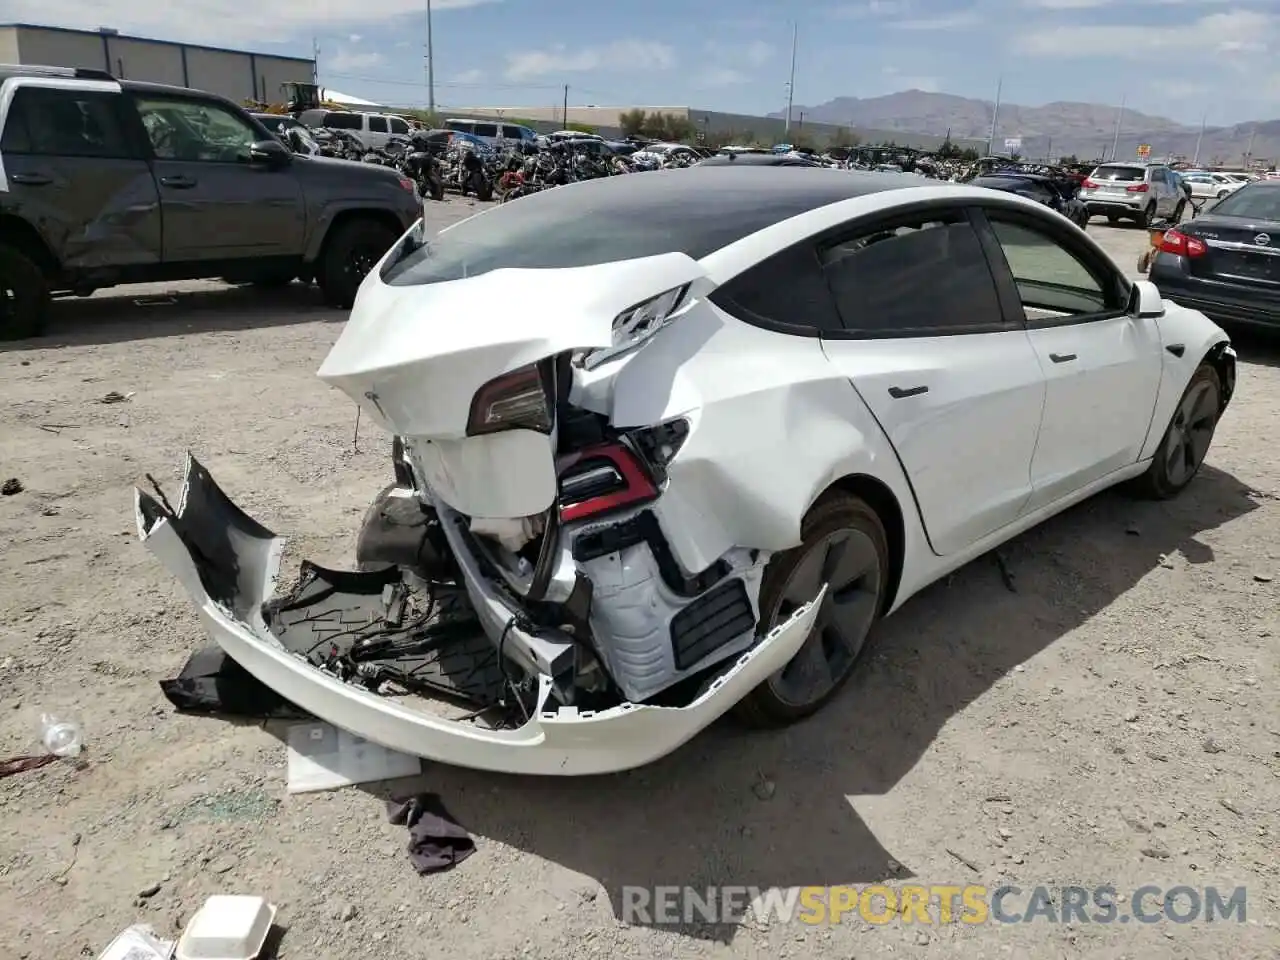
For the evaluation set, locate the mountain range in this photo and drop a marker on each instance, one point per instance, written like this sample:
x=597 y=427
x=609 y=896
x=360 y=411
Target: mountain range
x=1086 y=130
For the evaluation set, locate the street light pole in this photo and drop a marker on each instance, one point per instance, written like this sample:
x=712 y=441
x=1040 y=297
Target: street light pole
x=995 y=114
x=1195 y=161
x=431 y=66
x=791 y=83
x=1115 y=141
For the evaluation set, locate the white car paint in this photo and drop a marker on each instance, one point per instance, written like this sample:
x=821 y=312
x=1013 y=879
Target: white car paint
x=1207 y=186
x=1005 y=437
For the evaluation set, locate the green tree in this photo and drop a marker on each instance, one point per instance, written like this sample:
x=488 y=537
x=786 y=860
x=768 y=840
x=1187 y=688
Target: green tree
x=580 y=127
x=844 y=137
x=969 y=155
x=948 y=150
x=1070 y=161
x=1015 y=156
x=632 y=122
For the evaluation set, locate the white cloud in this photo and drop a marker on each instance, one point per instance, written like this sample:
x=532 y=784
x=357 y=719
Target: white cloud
x=354 y=38
x=350 y=61
x=622 y=55
x=224 y=22
x=947 y=21
x=758 y=53
x=721 y=77
x=1236 y=31
x=866 y=9
x=912 y=81
x=469 y=77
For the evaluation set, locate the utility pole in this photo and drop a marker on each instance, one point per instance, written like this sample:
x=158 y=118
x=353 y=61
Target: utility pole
x=431 y=66
x=1048 y=152
x=1195 y=161
x=1115 y=141
x=315 y=61
x=791 y=83
x=995 y=115
x=1248 y=154
x=564 y=117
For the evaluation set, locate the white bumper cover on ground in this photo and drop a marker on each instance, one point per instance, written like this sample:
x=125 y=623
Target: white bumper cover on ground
x=238 y=559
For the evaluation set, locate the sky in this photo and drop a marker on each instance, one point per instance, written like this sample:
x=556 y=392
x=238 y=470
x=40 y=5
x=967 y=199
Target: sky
x=1176 y=58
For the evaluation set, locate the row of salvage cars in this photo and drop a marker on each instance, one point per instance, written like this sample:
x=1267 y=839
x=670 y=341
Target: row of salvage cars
x=702 y=458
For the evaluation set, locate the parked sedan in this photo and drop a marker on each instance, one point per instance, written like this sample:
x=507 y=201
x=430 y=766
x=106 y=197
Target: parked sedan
x=1226 y=262
x=1211 y=186
x=777 y=405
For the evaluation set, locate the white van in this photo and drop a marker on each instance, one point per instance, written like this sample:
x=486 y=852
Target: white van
x=491 y=130
x=373 y=129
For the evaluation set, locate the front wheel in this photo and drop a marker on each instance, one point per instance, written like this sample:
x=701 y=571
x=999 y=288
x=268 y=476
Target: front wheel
x=1222 y=194
x=350 y=254
x=844 y=546
x=435 y=188
x=1186 y=441
x=482 y=186
x=24 y=296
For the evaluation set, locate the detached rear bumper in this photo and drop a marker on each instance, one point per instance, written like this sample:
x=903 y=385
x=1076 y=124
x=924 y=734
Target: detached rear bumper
x=229 y=564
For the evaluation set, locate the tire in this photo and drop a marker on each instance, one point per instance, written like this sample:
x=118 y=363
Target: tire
x=1113 y=219
x=435 y=188
x=1147 y=217
x=1200 y=404
x=24 y=296
x=1222 y=194
x=1178 y=211
x=842 y=527
x=482 y=186
x=350 y=253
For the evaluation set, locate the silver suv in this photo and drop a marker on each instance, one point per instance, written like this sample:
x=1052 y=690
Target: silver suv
x=1134 y=191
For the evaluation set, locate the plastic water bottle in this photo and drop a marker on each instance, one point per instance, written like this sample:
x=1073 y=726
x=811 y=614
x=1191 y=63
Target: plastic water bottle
x=60 y=737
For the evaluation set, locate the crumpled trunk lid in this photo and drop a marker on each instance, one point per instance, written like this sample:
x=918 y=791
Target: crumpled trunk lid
x=414 y=356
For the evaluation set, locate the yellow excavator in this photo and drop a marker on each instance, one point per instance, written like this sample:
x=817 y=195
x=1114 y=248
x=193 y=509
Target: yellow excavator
x=298 y=97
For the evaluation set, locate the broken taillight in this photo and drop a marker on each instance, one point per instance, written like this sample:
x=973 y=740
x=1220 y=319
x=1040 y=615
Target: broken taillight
x=514 y=401
x=602 y=479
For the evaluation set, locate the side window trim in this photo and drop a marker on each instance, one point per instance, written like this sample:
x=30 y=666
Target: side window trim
x=1086 y=257
x=948 y=208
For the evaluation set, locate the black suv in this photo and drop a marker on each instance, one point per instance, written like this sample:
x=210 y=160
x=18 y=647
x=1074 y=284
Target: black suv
x=106 y=181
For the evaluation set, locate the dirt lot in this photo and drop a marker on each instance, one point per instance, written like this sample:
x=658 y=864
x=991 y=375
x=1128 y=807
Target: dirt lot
x=1111 y=720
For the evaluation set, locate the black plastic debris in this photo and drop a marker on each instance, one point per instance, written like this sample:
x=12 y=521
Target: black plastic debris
x=214 y=684
x=11 y=486
x=436 y=841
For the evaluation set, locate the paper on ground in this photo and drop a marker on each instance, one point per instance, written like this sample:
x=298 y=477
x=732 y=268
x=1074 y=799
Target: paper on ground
x=322 y=757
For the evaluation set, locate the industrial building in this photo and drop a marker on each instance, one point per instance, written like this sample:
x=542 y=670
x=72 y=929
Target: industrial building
x=235 y=74
x=766 y=129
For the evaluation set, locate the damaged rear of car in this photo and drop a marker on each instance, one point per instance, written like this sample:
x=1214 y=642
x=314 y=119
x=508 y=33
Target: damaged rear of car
x=555 y=584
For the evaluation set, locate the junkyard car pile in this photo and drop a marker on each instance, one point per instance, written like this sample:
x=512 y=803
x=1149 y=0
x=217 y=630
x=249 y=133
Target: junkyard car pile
x=696 y=484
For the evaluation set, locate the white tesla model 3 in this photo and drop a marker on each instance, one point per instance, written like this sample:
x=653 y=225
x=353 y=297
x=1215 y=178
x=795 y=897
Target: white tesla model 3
x=670 y=445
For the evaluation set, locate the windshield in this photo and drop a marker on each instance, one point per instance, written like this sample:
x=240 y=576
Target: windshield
x=1125 y=174
x=602 y=221
x=1254 y=202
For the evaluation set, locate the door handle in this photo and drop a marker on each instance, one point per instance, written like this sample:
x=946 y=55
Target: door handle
x=178 y=182
x=32 y=179
x=1062 y=357
x=899 y=392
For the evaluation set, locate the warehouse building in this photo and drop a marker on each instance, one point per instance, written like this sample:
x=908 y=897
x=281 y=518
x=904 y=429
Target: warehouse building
x=235 y=74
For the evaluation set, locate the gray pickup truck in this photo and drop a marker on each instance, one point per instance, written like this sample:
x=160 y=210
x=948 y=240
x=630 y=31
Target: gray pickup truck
x=106 y=181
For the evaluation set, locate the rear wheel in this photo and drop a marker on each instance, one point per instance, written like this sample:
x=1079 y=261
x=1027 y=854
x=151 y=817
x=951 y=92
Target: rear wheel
x=350 y=254
x=24 y=296
x=1147 y=217
x=1113 y=219
x=844 y=546
x=1179 y=210
x=1186 y=441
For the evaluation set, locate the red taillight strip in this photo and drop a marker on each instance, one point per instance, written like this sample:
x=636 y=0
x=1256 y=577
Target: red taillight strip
x=637 y=487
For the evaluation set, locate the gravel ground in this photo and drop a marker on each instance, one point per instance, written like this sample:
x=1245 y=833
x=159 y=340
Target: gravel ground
x=1110 y=720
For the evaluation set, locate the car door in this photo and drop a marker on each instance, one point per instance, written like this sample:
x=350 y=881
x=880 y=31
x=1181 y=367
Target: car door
x=953 y=382
x=1100 y=363
x=377 y=132
x=215 y=203
x=77 y=173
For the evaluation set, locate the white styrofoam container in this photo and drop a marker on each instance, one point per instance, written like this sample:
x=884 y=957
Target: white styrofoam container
x=227 y=928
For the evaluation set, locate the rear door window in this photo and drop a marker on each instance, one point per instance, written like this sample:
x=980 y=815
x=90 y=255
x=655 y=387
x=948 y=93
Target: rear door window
x=486 y=130
x=342 y=121
x=66 y=123
x=917 y=275
x=377 y=124
x=513 y=133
